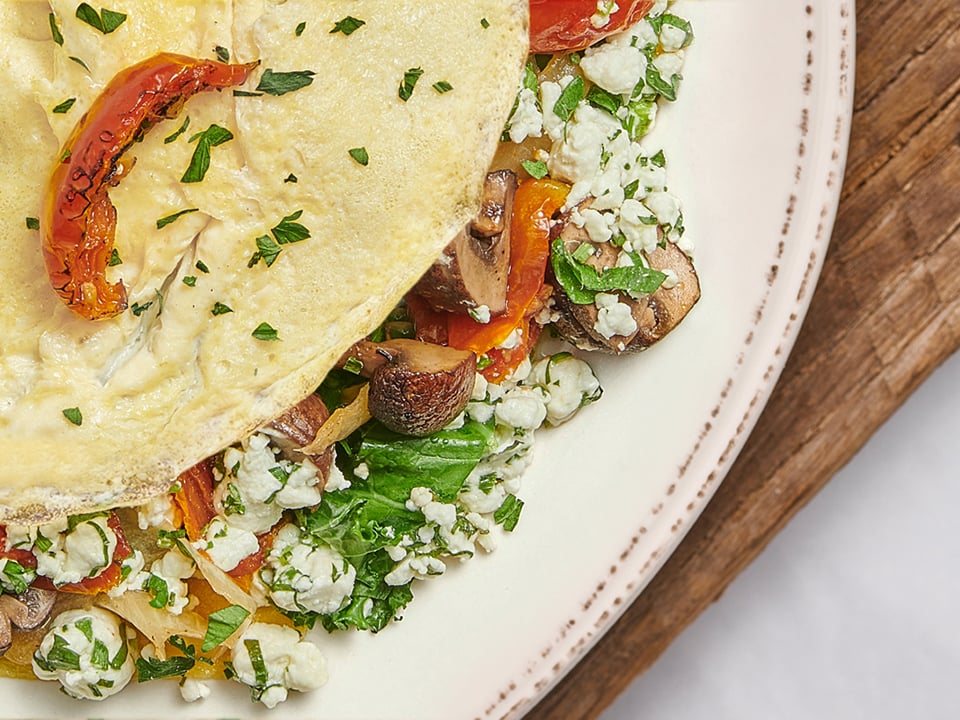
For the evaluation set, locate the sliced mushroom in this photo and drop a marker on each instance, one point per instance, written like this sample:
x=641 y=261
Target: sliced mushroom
x=416 y=388
x=299 y=426
x=655 y=315
x=472 y=270
x=26 y=611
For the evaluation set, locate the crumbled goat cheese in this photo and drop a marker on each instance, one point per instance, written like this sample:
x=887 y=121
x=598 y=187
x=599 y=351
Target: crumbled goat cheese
x=569 y=384
x=227 y=545
x=172 y=569
x=192 y=689
x=527 y=120
x=157 y=512
x=613 y=317
x=87 y=652
x=605 y=8
x=65 y=554
x=272 y=660
x=259 y=486
x=616 y=68
x=301 y=577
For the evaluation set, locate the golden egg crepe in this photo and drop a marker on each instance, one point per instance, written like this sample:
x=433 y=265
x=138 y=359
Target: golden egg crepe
x=149 y=393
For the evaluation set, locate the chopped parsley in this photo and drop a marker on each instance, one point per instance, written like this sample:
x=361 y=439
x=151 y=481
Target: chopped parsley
x=202 y=266
x=223 y=55
x=73 y=415
x=300 y=28
x=442 y=87
x=569 y=99
x=484 y=23
x=65 y=106
x=33 y=223
x=114 y=259
x=508 y=514
x=265 y=331
x=535 y=168
x=287 y=231
x=139 y=309
x=80 y=62
x=164 y=221
x=106 y=21
x=178 y=132
x=291 y=178
x=55 y=30
x=200 y=162
x=190 y=280
x=151 y=668
x=220 y=309
x=360 y=154
x=347 y=26
x=281 y=83
x=222 y=624
x=409 y=82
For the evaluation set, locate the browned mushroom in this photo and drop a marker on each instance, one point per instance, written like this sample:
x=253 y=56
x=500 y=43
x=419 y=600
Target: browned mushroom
x=300 y=424
x=25 y=611
x=416 y=388
x=472 y=270
x=655 y=314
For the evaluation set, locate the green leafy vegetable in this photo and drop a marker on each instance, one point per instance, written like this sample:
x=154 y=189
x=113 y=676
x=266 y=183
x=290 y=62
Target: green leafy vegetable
x=582 y=282
x=360 y=154
x=569 y=99
x=55 y=30
x=65 y=106
x=222 y=624
x=264 y=331
x=73 y=415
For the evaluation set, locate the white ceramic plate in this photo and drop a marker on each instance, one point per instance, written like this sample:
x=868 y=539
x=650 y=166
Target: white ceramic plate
x=756 y=146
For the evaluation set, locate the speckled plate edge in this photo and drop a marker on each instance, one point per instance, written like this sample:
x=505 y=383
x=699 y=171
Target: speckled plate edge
x=807 y=219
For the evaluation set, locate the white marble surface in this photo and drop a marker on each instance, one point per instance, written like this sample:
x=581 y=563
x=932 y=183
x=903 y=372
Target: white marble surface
x=853 y=611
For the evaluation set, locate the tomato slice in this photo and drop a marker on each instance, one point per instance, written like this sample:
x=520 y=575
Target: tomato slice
x=195 y=499
x=79 y=220
x=566 y=25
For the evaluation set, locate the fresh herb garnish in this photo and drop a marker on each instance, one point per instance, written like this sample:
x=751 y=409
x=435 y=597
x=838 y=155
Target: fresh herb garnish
x=178 y=132
x=287 y=231
x=33 y=223
x=164 y=221
x=347 y=26
x=190 y=280
x=114 y=259
x=55 y=30
x=409 y=82
x=221 y=625
x=73 y=415
x=106 y=21
x=299 y=29
x=79 y=62
x=360 y=154
x=265 y=331
x=65 y=106
x=535 y=168
x=159 y=591
x=202 y=266
x=442 y=87
x=291 y=178
x=200 y=162
x=508 y=514
x=223 y=55
x=220 y=309
x=281 y=83
x=569 y=99
x=175 y=666
x=581 y=282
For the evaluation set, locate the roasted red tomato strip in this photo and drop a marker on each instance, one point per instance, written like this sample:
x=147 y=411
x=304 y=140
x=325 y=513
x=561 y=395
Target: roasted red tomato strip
x=565 y=25
x=79 y=220
x=534 y=205
x=195 y=499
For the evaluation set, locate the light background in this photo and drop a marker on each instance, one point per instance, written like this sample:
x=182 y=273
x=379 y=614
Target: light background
x=852 y=611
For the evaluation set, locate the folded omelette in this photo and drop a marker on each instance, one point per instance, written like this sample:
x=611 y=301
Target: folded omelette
x=333 y=177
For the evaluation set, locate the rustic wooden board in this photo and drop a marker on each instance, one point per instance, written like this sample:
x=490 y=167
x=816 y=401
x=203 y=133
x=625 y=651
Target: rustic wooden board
x=885 y=314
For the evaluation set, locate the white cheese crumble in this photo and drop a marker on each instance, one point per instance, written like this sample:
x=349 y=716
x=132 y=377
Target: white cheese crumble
x=272 y=660
x=192 y=689
x=569 y=384
x=613 y=317
x=68 y=551
x=301 y=577
x=227 y=545
x=87 y=652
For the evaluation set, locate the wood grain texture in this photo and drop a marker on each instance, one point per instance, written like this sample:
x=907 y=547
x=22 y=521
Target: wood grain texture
x=885 y=314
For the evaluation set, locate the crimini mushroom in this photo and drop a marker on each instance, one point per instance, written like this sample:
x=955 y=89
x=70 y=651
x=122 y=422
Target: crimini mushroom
x=655 y=314
x=299 y=426
x=25 y=611
x=472 y=270
x=416 y=388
